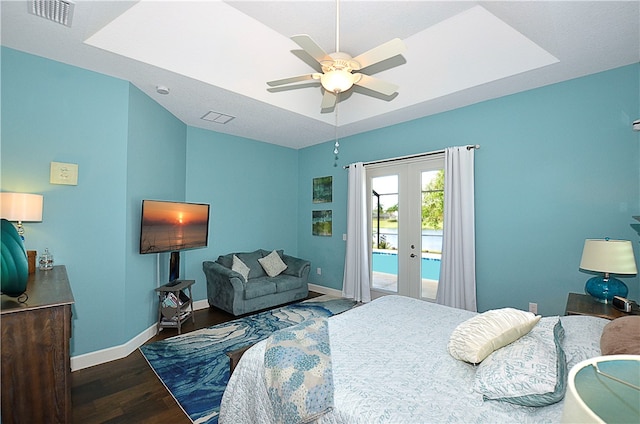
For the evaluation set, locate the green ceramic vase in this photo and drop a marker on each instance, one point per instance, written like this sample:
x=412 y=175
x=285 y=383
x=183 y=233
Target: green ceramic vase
x=14 y=268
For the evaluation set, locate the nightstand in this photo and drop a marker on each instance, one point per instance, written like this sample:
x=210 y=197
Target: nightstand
x=583 y=304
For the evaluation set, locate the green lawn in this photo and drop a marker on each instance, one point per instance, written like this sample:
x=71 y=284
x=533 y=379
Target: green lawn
x=385 y=223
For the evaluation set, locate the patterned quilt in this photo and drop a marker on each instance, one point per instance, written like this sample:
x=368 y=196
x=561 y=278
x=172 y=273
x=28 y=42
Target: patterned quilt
x=298 y=376
x=390 y=365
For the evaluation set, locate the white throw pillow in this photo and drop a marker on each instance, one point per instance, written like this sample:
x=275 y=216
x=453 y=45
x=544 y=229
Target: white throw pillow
x=240 y=267
x=272 y=264
x=475 y=339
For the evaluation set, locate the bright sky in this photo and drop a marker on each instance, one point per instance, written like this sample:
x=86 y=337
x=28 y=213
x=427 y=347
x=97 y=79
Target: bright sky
x=389 y=185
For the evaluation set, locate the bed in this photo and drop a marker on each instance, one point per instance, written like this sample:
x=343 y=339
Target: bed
x=390 y=364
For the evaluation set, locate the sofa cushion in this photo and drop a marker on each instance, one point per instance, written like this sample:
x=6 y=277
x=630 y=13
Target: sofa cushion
x=280 y=253
x=272 y=264
x=251 y=260
x=287 y=282
x=226 y=260
x=258 y=287
x=241 y=268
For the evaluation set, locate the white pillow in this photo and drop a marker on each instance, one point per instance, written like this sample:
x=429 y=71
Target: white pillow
x=272 y=264
x=240 y=267
x=475 y=339
x=532 y=371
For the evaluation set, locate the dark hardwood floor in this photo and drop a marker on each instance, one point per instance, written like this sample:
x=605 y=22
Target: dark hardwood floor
x=127 y=390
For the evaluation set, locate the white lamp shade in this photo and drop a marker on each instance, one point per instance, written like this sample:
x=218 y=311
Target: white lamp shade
x=22 y=207
x=612 y=256
x=593 y=398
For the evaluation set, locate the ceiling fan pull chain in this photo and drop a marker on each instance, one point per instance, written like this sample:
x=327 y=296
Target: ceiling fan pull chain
x=336 y=144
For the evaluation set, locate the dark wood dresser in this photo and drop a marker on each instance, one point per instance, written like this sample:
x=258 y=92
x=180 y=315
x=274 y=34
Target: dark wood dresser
x=36 y=366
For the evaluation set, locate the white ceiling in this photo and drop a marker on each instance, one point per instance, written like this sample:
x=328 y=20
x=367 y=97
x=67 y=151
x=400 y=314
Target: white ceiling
x=218 y=55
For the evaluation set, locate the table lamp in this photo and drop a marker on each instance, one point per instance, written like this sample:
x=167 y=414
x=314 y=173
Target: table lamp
x=21 y=207
x=609 y=257
x=604 y=389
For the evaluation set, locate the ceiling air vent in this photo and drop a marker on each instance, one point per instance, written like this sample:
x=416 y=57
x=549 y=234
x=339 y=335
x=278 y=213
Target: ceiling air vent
x=60 y=11
x=217 y=117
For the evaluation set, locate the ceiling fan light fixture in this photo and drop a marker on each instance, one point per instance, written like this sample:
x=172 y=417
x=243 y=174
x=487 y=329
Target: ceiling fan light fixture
x=337 y=68
x=337 y=81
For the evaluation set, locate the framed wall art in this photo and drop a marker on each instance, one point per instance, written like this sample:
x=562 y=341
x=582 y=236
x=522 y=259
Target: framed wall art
x=322 y=223
x=323 y=189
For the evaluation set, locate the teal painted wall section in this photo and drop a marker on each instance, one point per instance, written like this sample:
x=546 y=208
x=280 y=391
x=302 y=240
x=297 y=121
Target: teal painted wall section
x=252 y=189
x=557 y=165
x=129 y=148
x=156 y=169
x=54 y=112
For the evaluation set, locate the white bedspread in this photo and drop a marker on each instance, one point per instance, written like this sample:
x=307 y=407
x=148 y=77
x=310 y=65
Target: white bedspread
x=391 y=365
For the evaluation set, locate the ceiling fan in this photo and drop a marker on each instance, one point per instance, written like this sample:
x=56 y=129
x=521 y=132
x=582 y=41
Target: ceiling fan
x=337 y=68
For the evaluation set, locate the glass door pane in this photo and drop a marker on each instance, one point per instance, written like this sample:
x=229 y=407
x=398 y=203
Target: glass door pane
x=432 y=216
x=384 y=233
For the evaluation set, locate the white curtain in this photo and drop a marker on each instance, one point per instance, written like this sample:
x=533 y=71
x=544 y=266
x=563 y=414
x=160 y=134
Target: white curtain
x=355 y=284
x=457 y=286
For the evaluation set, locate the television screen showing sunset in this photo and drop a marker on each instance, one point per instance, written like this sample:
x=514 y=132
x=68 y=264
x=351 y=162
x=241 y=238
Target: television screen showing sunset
x=173 y=226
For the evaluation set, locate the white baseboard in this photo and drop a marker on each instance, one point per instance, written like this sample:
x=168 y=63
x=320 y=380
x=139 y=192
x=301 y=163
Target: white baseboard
x=200 y=304
x=98 y=357
x=325 y=290
x=118 y=352
x=112 y=353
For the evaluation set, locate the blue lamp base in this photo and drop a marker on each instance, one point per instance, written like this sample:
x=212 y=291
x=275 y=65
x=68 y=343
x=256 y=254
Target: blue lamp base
x=603 y=289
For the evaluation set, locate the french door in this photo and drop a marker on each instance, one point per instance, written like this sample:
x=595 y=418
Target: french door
x=405 y=226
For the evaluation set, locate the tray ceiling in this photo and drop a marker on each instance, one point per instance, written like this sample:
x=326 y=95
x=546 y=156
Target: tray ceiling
x=216 y=56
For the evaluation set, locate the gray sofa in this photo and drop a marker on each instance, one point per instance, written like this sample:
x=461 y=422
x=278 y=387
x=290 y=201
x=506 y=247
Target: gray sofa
x=228 y=290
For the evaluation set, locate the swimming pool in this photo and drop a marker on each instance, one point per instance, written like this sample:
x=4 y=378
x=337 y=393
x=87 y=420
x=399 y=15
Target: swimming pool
x=388 y=263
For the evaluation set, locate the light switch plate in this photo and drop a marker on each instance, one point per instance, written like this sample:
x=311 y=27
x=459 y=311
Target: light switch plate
x=64 y=173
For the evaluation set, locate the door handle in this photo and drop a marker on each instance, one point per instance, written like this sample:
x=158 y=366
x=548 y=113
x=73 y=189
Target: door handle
x=413 y=255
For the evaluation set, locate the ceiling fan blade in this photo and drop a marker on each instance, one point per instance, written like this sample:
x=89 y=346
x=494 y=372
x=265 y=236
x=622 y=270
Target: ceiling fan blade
x=376 y=84
x=328 y=100
x=293 y=79
x=311 y=47
x=380 y=53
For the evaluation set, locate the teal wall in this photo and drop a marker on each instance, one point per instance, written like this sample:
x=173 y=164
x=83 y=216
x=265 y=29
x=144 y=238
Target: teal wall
x=156 y=169
x=251 y=188
x=129 y=148
x=557 y=165
x=54 y=112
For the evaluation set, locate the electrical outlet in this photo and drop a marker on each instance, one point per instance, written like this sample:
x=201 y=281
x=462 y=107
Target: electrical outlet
x=319 y=271
x=533 y=307
x=344 y=237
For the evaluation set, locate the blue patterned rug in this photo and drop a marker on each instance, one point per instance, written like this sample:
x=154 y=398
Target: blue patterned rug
x=194 y=367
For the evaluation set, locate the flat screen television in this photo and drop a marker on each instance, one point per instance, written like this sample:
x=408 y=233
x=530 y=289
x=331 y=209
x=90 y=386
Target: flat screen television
x=171 y=227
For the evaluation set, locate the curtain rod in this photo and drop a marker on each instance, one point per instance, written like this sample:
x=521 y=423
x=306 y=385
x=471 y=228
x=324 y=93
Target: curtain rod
x=469 y=147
